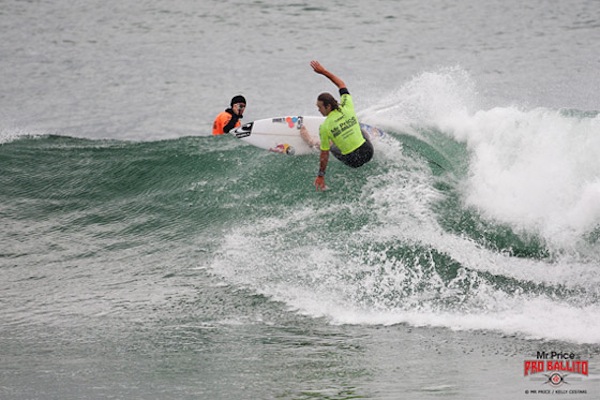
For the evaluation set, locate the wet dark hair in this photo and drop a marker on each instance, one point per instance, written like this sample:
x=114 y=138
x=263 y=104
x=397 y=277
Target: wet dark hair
x=238 y=99
x=329 y=100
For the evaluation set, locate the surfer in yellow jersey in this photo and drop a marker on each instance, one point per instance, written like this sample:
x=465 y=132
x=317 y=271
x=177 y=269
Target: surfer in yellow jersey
x=340 y=133
x=230 y=118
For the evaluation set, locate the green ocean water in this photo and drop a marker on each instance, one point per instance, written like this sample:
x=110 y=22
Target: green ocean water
x=213 y=192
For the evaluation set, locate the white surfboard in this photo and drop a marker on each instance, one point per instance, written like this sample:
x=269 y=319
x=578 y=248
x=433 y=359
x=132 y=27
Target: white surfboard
x=282 y=134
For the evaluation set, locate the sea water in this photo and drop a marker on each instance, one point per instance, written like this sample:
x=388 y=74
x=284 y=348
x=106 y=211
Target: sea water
x=142 y=258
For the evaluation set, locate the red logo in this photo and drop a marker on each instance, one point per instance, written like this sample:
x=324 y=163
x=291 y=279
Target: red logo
x=556 y=367
x=283 y=148
x=291 y=121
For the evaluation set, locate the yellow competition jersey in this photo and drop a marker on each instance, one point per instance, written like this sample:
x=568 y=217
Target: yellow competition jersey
x=342 y=128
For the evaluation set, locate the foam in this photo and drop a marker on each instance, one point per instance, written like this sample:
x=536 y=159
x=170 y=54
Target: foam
x=10 y=135
x=535 y=170
x=538 y=171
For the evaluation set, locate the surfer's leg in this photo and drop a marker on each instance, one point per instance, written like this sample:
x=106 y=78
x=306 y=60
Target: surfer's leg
x=305 y=134
x=337 y=153
x=358 y=157
x=366 y=135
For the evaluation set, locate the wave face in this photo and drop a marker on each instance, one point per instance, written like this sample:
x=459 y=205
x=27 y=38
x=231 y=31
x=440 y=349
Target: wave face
x=467 y=219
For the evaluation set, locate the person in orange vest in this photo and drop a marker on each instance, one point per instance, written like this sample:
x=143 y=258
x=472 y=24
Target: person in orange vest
x=230 y=118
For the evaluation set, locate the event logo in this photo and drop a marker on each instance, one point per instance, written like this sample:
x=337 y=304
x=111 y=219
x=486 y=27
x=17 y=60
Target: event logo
x=555 y=369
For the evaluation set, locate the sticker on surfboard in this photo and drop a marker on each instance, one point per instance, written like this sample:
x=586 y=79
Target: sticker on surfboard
x=290 y=121
x=284 y=149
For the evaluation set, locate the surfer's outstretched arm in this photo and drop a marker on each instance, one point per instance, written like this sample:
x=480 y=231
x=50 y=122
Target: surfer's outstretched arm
x=319 y=69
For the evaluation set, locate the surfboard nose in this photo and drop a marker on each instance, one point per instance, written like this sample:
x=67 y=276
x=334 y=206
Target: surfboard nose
x=243 y=131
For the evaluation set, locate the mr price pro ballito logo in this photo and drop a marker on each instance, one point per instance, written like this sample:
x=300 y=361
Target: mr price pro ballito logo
x=556 y=367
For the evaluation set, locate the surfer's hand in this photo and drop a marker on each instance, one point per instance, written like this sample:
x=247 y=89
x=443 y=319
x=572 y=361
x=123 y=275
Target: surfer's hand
x=317 y=67
x=320 y=183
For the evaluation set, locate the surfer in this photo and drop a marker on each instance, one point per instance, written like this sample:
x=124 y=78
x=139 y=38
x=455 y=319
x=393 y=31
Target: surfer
x=230 y=118
x=340 y=133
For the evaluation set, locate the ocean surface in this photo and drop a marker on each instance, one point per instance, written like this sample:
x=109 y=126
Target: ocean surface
x=142 y=258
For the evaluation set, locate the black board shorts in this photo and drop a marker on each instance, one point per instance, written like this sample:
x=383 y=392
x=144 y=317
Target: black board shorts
x=358 y=157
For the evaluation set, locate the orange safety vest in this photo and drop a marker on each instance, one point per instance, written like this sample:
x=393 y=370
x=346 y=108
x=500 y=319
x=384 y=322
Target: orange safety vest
x=220 y=122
